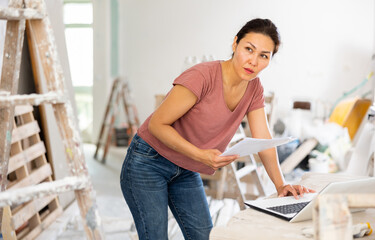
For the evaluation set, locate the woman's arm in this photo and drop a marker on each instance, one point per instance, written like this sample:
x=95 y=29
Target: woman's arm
x=177 y=103
x=259 y=129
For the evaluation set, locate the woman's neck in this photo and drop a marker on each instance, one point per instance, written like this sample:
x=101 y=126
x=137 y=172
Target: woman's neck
x=230 y=77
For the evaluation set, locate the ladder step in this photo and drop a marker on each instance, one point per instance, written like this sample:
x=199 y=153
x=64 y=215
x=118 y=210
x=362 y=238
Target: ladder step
x=245 y=170
x=19 y=14
x=23 y=109
x=25 y=194
x=34 y=99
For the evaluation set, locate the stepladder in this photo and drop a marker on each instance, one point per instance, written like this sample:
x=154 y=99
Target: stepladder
x=31 y=15
x=235 y=180
x=120 y=95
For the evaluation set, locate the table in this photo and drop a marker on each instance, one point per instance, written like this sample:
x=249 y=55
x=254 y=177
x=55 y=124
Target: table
x=252 y=224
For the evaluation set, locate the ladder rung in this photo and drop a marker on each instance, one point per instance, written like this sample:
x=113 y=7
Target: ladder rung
x=23 y=109
x=33 y=99
x=244 y=171
x=25 y=194
x=18 y=14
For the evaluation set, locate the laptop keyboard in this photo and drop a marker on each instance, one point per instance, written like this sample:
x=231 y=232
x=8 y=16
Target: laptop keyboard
x=290 y=208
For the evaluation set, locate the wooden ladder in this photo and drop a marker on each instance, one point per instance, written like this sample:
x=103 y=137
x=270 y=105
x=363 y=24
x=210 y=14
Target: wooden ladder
x=120 y=91
x=31 y=14
x=28 y=166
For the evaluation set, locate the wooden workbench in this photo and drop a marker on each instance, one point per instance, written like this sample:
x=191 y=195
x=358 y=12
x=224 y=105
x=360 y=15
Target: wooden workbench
x=252 y=224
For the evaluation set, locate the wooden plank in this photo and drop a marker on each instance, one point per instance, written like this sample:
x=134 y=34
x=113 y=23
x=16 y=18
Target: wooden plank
x=18 y=14
x=110 y=128
x=7 y=229
x=57 y=228
x=20 y=195
x=42 y=43
x=33 y=99
x=9 y=82
x=22 y=109
x=51 y=217
x=54 y=143
x=29 y=210
x=106 y=114
x=45 y=223
x=34 y=178
x=26 y=118
x=298 y=155
x=125 y=92
x=25 y=156
x=25 y=131
x=16 y=148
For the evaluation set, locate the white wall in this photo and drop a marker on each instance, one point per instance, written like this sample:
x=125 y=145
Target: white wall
x=102 y=51
x=327 y=45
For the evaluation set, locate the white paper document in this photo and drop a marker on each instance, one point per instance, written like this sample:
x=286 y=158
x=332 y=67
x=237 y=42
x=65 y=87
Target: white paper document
x=253 y=145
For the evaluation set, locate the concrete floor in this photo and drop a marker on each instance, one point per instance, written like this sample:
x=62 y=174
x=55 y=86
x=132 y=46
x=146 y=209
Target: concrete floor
x=114 y=213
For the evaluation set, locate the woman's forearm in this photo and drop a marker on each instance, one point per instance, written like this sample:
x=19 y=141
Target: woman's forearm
x=271 y=164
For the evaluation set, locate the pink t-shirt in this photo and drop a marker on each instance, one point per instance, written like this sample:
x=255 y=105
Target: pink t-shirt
x=209 y=124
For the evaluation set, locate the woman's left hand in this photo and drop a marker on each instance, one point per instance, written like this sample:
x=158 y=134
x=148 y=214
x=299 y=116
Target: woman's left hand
x=293 y=190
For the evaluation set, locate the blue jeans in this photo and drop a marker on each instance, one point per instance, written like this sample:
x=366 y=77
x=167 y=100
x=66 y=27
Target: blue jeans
x=150 y=183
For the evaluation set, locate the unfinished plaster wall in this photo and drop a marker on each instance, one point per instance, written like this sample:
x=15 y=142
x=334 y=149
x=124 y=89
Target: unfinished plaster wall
x=102 y=71
x=326 y=45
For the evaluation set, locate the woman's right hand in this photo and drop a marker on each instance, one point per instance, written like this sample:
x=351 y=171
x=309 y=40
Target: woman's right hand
x=212 y=158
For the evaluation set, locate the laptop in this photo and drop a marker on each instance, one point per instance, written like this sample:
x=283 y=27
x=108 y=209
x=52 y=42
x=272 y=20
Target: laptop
x=297 y=210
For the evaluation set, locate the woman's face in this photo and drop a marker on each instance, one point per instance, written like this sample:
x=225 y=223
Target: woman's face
x=252 y=54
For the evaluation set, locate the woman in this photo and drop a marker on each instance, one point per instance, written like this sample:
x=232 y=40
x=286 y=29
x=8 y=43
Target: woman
x=191 y=128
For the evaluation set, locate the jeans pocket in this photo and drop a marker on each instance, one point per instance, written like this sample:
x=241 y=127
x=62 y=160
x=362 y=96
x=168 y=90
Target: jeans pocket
x=123 y=170
x=144 y=149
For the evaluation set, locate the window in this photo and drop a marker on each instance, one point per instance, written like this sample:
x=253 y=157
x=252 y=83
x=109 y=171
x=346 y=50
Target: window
x=78 y=18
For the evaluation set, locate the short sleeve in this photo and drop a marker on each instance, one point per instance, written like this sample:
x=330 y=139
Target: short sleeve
x=258 y=96
x=193 y=80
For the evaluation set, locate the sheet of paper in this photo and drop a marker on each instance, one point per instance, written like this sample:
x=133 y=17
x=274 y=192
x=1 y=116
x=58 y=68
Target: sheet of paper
x=253 y=145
